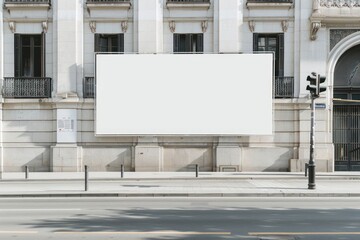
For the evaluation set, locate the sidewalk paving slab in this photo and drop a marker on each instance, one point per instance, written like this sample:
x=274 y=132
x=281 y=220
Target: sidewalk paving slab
x=178 y=184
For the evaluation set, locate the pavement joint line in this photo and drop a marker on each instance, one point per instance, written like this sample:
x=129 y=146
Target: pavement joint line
x=147 y=232
x=18 y=232
x=40 y=209
x=349 y=178
x=300 y=233
x=158 y=195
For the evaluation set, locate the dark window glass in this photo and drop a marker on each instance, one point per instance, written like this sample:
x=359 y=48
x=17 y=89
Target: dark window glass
x=355 y=96
x=29 y=55
x=341 y=95
x=185 y=43
x=272 y=43
x=109 y=42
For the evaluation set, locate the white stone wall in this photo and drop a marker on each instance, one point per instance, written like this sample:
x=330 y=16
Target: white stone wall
x=28 y=131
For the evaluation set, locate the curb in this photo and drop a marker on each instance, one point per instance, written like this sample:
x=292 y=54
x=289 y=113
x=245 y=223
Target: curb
x=158 y=195
x=181 y=179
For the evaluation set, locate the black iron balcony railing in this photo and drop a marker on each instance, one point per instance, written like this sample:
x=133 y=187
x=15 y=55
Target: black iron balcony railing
x=28 y=1
x=270 y=1
x=89 y=87
x=283 y=87
x=27 y=87
x=188 y=1
x=107 y=1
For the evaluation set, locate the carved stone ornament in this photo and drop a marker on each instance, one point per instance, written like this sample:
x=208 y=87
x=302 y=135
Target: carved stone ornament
x=124 y=26
x=314 y=29
x=316 y=6
x=252 y=26
x=92 y=26
x=284 y=25
x=172 y=26
x=204 y=26
x=339 y=3
x=12 y=26
x=44 y=26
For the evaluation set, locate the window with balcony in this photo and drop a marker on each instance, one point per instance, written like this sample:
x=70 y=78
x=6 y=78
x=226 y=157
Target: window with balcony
x=29 y=55
x=185 y=43
x=198 y=4
x=271 y=43
x=29 y=80
x=269 y=3
x=109 y=43
x=107 y=1
x=283 y=86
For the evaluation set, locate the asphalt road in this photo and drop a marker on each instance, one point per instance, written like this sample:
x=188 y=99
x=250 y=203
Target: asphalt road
x=179 y=218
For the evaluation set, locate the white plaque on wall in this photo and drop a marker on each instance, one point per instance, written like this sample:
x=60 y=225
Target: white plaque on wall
x=66 y=126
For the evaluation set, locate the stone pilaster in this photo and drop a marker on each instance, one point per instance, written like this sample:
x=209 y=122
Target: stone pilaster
x=148 y=155
x=230 y=19
x=1 y=80
x=150 y=26
x=68 y=74
x=68 y=47
x=228 y=154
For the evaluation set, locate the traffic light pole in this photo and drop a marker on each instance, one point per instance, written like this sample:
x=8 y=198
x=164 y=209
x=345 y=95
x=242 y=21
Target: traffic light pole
x=311 y=165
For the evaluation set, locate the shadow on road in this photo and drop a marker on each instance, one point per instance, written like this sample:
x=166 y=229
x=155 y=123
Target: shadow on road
x=236 y=221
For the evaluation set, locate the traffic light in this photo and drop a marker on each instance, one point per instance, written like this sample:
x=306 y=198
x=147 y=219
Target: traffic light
x=320 y=88
x=315 y=88
x=313 y=79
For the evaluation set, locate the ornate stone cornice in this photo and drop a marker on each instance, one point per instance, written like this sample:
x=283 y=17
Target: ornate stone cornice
x=339 y=13
x=339 y=3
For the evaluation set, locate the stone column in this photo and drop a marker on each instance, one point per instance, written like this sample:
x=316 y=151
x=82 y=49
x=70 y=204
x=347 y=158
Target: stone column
x=148 y=153
x=150 y=26
x=68 y=74
x=230 y=19
x=68 y=47
x=228 y=151
x=66 y=155
x=1 y=79
x=228 y=154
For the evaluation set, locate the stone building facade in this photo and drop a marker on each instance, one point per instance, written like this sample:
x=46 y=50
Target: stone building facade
x=47 y=78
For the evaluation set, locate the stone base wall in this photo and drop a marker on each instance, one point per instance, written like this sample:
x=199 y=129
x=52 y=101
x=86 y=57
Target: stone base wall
x=29 y=139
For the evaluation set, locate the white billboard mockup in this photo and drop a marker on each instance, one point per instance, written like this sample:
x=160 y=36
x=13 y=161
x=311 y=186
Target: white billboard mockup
x=183 y=94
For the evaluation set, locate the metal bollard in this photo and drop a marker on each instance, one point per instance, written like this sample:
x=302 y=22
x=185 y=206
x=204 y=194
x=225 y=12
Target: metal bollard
x=86 y=178
x=197 y=170
x=122 y=170
x=26 y=172
x=306 y=169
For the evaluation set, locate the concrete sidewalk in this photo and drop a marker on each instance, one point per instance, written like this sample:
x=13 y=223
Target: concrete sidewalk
x=179 y=184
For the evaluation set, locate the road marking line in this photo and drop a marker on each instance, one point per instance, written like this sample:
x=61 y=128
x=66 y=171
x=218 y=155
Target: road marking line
x=300 y=233
x=42 y=209
x=150 y=232
x=18 y=232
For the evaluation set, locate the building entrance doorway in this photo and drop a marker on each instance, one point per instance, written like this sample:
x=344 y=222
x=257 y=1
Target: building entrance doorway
x=346 y=135
x=346 y=111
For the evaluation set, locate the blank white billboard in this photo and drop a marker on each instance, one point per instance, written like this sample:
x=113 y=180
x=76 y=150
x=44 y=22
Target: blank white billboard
x=183 y=94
